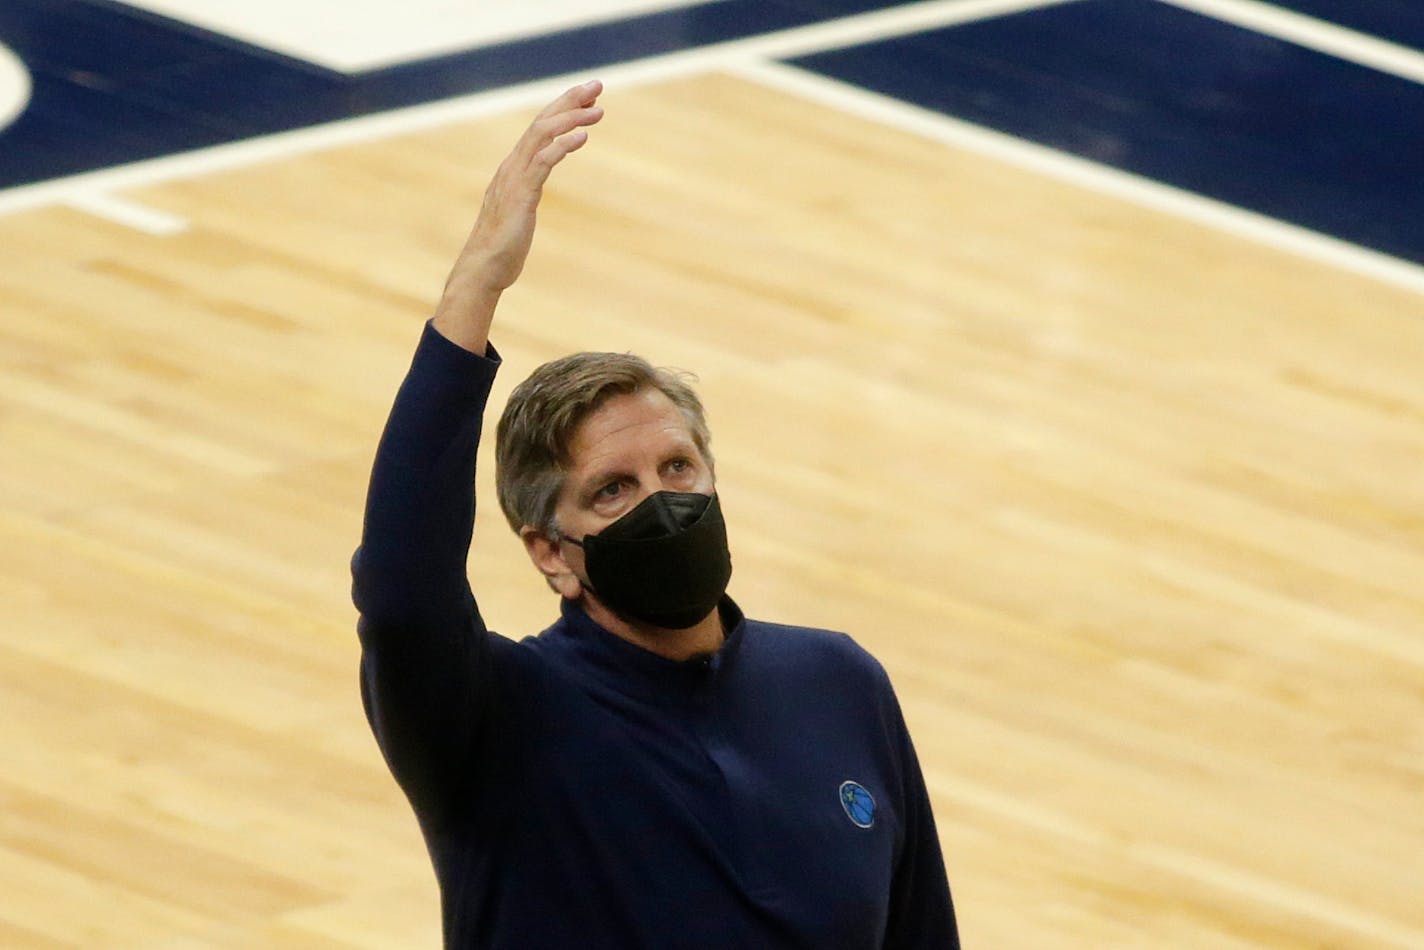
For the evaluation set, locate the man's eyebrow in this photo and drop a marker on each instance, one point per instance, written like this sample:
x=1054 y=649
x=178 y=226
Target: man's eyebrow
x=600 y=477
x=684 y=446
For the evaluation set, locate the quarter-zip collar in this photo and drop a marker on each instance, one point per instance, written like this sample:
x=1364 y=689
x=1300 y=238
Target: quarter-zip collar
x=598 y=654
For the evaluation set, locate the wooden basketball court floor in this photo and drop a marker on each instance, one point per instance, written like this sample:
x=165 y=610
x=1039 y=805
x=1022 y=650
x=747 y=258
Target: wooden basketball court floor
x=1128 y=506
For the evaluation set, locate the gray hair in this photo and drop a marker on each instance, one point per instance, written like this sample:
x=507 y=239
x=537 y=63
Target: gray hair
x=545 y=411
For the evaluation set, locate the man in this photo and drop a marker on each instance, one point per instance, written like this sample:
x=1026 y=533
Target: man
x=654 y=770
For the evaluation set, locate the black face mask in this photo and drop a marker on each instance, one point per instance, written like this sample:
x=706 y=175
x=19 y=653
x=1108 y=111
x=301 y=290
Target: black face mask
x=665 y=562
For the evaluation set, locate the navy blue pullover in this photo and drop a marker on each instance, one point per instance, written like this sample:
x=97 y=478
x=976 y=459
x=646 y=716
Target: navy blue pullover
x=577 y=791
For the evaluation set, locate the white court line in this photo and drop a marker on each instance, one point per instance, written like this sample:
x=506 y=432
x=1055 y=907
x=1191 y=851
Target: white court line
x=128 y=213
x=16 y=87
x=1081 y=172
x=862 y=28
x=1316 y=34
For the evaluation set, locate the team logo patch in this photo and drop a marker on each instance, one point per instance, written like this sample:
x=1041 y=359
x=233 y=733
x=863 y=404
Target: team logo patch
x=858 y=803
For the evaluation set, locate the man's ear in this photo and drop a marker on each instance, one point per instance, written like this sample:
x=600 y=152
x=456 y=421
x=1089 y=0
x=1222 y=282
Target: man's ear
x=544 y=552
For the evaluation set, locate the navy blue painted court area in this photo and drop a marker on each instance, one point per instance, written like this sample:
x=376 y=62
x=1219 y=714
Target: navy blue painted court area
x=1138 y=85
x=1182 y=99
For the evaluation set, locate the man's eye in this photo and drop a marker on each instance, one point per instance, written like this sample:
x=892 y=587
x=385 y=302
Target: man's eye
x=680 y=465
x=609 y=491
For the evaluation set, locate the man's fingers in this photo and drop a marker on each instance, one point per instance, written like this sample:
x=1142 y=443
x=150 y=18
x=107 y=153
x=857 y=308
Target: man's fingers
x=499 y=242
x=549 y=128
x=587 y=93
x=575 y=108
x=563 y=145
x=553 y=153
x=580 y=96
x=554 y=134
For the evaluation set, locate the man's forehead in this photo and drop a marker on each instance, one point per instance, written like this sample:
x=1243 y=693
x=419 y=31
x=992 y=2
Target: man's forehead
x=625 y=422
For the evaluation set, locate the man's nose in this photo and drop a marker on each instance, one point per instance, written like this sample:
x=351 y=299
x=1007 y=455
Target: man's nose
x=648 y=484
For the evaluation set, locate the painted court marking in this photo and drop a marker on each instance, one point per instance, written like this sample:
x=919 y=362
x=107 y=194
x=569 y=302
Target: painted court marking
x=128 y=213
x=752 y=59
x=15 y=86
x=800 y=41
x=1314 y=34
x=1081 y=172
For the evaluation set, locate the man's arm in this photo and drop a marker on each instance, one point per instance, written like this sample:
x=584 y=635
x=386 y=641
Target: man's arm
x=497 y=247
x=921 y=908
x=424 y=666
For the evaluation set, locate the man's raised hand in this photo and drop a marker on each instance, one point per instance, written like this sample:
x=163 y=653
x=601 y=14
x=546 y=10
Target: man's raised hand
x=498 y=245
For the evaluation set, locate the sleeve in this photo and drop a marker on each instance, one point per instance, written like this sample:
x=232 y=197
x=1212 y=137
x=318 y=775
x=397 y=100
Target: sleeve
x=425 y=651
x=921 y=912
